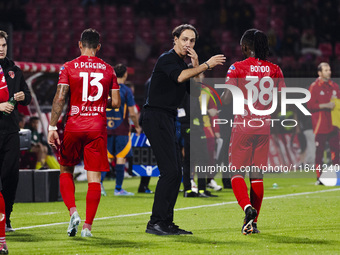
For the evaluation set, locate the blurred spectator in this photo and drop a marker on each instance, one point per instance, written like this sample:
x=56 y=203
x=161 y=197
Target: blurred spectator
x=309 y=43
x=291 y=40
x=38 y=146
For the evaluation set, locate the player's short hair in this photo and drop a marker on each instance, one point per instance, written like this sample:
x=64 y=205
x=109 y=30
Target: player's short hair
x=90 y=38
x=321 y=65
x=33 y=118
x=3 y=34
x=179 y=29
x=257 y=41
x=120 y=70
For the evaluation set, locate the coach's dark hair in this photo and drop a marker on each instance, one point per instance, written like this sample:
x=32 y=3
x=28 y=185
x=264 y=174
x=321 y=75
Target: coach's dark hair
x=257 y=41
x=3 y=34
x=321 y=65
x=179 y=29
x=90 y=38
x=120 y=70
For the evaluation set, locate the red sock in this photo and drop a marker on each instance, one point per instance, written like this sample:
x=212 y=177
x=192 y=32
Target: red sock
x=256 y=194
x=318 y=170
x=92 y=201
x=3 y=220
x=67 y=189
x=240 y=190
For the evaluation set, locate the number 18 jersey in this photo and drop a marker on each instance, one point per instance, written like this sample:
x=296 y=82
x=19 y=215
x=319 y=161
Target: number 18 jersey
x=261 y=77
x=90 y=80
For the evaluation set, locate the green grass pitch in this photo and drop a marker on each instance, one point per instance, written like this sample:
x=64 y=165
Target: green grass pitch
x=306 y=222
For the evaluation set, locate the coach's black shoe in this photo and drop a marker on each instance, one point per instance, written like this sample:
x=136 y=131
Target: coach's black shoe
x=3 y=248
x=8 y=227
x=160 y=229
x=190 y=193
x=255 y=229
x=178 y=230
x=251 y=214
x=205 y=193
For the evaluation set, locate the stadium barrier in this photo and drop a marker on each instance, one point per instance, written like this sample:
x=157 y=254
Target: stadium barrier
x=38 y=186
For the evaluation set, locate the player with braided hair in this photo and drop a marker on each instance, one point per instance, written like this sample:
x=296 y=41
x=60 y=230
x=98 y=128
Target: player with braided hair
x=249 y=142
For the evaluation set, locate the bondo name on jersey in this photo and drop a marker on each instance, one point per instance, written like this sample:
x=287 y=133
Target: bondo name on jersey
x=93 y=65
x=261 y=69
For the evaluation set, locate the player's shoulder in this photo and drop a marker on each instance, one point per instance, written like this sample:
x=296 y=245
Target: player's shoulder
x=315 y=84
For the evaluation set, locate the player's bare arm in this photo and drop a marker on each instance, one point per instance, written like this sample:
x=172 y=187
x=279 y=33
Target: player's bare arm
x=57 y=109
x=192 y=72
x=134 y=117
x=115 y=97
x=226 y=97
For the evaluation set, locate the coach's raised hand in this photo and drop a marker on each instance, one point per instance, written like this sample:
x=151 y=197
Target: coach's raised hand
x=216 y=60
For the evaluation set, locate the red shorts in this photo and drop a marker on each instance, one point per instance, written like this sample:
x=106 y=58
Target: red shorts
x=93 y=145
x=248 y=150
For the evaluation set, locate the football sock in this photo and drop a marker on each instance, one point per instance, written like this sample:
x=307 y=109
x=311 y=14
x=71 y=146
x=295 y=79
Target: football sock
x=119 y=175
x=2 y=220
x=92 y=201
x=240 y=190
x=318 y=171
x=52 y=162
x=67 y=190
x=256 y=194
x=87 y=226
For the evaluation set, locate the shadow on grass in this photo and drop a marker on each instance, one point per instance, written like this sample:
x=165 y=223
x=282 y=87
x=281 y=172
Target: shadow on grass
x=104 y=242
x=192 y=239
x=24 y=237
x=292 y=239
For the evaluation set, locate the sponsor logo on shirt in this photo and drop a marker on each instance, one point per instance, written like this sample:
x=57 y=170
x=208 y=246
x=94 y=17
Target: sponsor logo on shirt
x=322 y=93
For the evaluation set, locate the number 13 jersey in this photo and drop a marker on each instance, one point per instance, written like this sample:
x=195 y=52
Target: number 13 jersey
x=261 y=76
x=90 y=80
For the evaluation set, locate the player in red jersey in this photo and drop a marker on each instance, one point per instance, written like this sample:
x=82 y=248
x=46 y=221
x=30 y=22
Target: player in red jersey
x=88 y=81
x=249 y=144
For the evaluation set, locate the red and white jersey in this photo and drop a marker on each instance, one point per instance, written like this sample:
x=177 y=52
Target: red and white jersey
x=261 y=77
x=90 y=80
x=4 y=95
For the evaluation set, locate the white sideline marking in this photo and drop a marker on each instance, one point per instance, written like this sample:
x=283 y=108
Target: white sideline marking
x=185 y=208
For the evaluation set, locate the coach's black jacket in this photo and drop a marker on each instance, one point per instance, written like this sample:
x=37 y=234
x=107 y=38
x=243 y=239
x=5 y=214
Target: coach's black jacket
x=15 y=83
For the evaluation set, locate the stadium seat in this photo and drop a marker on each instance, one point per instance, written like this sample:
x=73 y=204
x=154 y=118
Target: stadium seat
x=63 y=26
x=110 y=12
x=31 y=13
x=42 y=3
x=17 y=38
x=226 y=37
x=111 y=25
x=226 y=49
x=60 y=54
x=278 y=11
x=96 y=24
x=163 y=37
x=326 y=49
x=58 y=3
x=175 y=22
x=44 y=53
x=128 y=25
x=288 y=63
x=126 y=12
x=46 y=25
x=144 y=24
x=47 y=37
x=94 y=12
x=28 y=52
x=31 y=37
x=62 y=13
x=62 y=38
x=46 y=14
x=78 y=13
x=147 y=37
x=337 y=50
x=79 y=26
x=111 y=37
x=109 y=51
x=16 y=52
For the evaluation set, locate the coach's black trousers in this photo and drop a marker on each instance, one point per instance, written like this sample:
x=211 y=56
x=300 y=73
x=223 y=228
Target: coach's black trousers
x=159 y=128
x=9 y=169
